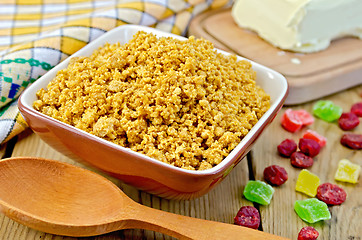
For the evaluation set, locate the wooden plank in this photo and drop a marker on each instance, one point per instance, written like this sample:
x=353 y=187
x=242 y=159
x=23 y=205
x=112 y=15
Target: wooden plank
x=310 y=76
x=221 y=204
x=279 y=217
x=6 y=148
x=2 y=149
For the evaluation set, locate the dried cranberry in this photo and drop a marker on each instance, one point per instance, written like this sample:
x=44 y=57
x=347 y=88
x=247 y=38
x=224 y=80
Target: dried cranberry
x=287 y=147
x=308 y=233
x=352 y=140
x=357 y=109
x=300 y=160
x=348 y=121
x=248 y=216
x=331 y=194
x=275 y=175
x=309 y=147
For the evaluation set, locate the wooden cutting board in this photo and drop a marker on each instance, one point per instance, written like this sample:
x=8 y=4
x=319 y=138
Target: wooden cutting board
x=310 y=76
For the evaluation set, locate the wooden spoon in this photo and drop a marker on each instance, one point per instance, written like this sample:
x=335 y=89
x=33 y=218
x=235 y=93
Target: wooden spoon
x=63 y=199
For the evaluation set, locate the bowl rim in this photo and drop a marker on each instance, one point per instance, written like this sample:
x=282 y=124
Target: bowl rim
x=275 y=105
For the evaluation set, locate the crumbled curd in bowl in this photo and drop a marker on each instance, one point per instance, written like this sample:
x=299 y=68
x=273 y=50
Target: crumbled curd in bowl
x=180 y=102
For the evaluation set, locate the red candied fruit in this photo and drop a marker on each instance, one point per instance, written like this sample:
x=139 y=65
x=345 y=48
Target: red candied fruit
x=331 y=194
x=357 y=109
x=275 y=175
x=310 y=134
x=287 y=147
x=352 y=140
x=348 y=121
x=309 y=147
x=293 y=120
x=305 y=117
x=248 y=216
x=308 y=233
x=290 y=121
x=300 y=160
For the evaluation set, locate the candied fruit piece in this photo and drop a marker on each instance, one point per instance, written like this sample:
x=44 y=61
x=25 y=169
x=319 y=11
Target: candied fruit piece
x=312 y=210
x=310 y=134
x=331 y=194
x=275 y=175
x=352 y=140
x=309 y=147
x=287 y=147
x=304 y=116
x=259 y=192
x=357 y=109
x=308 y=233
x=347 y=171
x=307 y=183
x=327 y=110
x=248 y=216
x=293 y=120
x=290 y=121
x=348 y=121
x=300 y=160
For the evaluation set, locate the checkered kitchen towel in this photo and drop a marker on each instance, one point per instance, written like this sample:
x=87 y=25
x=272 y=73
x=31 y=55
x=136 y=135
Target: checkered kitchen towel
x=36 y=35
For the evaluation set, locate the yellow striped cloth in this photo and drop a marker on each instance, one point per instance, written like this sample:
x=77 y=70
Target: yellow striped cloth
x=36 y=35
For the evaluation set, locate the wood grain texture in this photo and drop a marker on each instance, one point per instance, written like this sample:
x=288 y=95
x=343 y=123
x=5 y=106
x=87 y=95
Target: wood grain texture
x=63 y=199
x=280 y=216
x=2 y=150
x=211 y=206
x=310 y=76
x=222 y=203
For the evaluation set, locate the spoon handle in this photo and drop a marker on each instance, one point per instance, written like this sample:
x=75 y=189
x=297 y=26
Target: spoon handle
x=183 y=227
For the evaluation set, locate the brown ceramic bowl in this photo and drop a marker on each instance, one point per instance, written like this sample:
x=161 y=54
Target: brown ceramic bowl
x=131 y=167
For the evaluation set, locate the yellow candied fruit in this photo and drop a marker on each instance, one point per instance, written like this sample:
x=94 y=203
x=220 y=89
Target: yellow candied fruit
x=347 y=171
x=307 y=183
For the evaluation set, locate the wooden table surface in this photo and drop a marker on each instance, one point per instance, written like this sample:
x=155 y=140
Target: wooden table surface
x=223 y=202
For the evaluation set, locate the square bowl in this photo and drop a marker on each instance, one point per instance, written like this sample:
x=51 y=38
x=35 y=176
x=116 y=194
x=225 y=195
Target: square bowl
x=131 y=167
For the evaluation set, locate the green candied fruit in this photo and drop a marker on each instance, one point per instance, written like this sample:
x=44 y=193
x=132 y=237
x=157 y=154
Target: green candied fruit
x=312 y=210
x=327 y=110
x=259 y=192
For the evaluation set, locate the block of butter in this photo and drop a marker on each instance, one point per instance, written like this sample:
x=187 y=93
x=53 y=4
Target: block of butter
x=300 y=25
